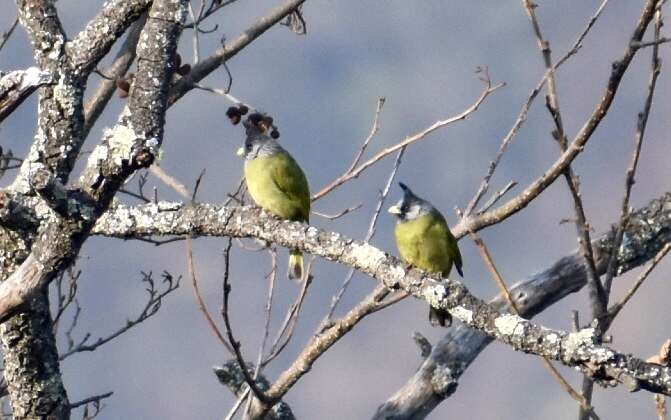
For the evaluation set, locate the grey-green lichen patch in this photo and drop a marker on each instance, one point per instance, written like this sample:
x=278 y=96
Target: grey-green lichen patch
x=367 y=255
x=397 y=271
x=507 y=324
x=465 y=315
x=435 y=295
x=121 y=140
x=577 y=344
x=443 y=381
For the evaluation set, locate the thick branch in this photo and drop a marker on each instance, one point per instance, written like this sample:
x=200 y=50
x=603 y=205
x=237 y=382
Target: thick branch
x=230 y=49
x=95 y=41
x=130 y=145
x=103 y=93
x=572 y=349
x=16 y=86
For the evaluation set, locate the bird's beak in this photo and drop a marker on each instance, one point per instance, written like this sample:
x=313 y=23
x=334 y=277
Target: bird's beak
x=240 y=151
x=394 y=210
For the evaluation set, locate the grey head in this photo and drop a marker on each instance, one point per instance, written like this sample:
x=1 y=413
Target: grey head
x=410 y=207
x=257 y=142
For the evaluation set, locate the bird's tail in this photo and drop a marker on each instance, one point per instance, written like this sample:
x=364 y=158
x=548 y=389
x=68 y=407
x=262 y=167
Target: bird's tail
x=439 y=317
x=295 y=265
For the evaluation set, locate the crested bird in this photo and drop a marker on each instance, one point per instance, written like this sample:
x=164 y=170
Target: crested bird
x=274 y=180
x=424 y=241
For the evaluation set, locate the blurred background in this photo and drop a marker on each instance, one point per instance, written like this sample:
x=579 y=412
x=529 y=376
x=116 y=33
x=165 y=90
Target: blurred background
x=322 y=90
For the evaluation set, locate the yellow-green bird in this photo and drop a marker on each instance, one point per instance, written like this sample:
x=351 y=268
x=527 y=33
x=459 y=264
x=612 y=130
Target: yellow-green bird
x=424 y=240
x=276 y=182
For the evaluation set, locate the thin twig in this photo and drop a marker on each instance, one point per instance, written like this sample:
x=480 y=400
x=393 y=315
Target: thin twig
x=617 y=307
x=656 y=66
x=524 y=112
x=272 y=276
x=5 y=36
x=214 y=7
x=369 y=235
x=199 y=297
x=196 y=32
x=339 y=214
x=489 y=262
x=89 y=400
x=225 y=94
x=374 y=129
x=496 y=197
x=654 y=43
x=170 y=181
x=286 y=331
x=150 y=309
x=237 y=404
x=406 y=142
x=231 y=338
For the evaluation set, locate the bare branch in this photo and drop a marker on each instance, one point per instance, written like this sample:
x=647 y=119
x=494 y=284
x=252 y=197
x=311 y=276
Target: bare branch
x=371 y=229
x=95 y=41
x=230 y=375
x=150 y=309
x=16 y=86
x=199 y=298
x=4 y=37
x=522 y=116
x=572 y=349
x=99 y=99
x=489 y=89
x=131 y=145
x=617 y=307
x=656 y=66
x=230 y=49
x=475 y=223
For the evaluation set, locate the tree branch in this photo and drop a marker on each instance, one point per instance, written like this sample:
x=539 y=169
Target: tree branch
x=572 y=349
x=477 y=222
x=95 y=41
x=230 y=49
x=103 y=93
x=16 y=86
x=130 y=145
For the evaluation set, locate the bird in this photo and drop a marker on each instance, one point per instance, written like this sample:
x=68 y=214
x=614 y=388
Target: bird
x=425 y=241
x=274 y=180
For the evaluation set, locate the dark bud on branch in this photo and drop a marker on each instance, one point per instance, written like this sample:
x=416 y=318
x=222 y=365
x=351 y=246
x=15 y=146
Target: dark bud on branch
x=184 y=69
x=124 y=84
x=234 y=114
x=123 y=88
x=144 y=158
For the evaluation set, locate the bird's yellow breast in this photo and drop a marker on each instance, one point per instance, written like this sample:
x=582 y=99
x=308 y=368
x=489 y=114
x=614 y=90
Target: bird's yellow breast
x=278 y=185
x=425 y=243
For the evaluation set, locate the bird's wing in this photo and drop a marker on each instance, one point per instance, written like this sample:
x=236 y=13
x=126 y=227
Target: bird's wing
x=451 y=244
x=290 y=179
x=456 y=255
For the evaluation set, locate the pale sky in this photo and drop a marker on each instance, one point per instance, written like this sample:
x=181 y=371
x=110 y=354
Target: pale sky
x=321 y=90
